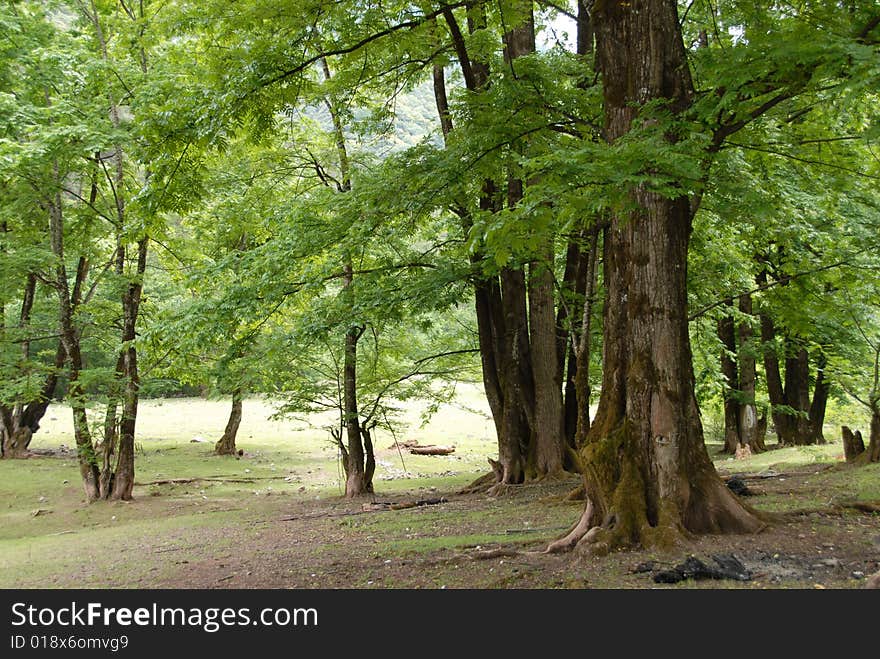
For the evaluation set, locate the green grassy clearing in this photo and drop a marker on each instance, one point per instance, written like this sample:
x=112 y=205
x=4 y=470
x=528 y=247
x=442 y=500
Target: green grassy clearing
x=50 y=537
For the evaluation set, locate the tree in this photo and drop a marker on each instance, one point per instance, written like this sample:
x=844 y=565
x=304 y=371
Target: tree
x=647 y=474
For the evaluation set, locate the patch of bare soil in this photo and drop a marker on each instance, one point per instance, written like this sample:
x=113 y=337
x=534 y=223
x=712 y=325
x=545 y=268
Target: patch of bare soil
x=463 y=543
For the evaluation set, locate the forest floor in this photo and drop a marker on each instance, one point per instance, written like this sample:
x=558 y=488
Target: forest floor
x=274 y=518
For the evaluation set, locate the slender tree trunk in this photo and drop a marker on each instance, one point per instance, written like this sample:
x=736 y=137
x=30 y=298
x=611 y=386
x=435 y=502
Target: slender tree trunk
x=574 y=333
x=582 y=373
x=872 y=453
x=16 y=435
x=68 y=302
x=124 y=481
x=797 y=394
x=730 y=372
x=820 y=402
x=647 y=475
x=775 y=391
x=107 y=449
x=749 y=426
x=226 y=444
x=35 y=410
x=358 y=455
x=356 y=483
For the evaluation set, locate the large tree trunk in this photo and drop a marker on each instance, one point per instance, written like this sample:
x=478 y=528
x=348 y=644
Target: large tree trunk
x=647 y=475
x=549 y=440
x=226 y=444
x=518 y=410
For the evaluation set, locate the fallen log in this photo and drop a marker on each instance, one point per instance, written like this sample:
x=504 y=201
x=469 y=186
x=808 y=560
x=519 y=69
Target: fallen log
x=407 y=444
x=432 y=450
x=402 y=505
x=211 y=479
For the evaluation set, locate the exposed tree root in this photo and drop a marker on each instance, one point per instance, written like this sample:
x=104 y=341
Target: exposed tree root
x=555 y=477
x=624 y=523
x=577 y=533
x=503 y=489
x=481 y=484
x=486 y=554
x=577 y=494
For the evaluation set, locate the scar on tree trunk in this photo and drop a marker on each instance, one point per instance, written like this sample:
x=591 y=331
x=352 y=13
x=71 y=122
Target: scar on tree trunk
x=226 y=444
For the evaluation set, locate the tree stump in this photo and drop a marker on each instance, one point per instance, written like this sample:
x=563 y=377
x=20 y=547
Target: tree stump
x=853 y=444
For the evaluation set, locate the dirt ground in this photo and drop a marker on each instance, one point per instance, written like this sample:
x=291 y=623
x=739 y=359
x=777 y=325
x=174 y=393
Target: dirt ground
x=476 y=541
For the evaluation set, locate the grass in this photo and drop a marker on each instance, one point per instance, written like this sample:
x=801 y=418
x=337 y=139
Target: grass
x=47 y=532
x=49 y=536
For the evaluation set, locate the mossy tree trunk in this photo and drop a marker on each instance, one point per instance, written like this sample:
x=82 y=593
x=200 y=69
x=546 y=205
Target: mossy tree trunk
x=647 y=476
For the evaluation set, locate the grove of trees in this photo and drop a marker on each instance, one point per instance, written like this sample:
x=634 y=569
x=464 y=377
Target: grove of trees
x=649 y=209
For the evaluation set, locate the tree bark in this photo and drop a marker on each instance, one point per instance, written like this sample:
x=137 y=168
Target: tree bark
x=226 y=444
x=730 y=373
x=519 y=397
x=19 y=422
x=573 y=351
x=797 y=395
x=67 y=303
x=124 y=480
x=500 y=301
x=749 y=426
x=853 y=445
x=549 y=439
x=775 y=390
x=647 y=476
x=356 y=481
x=821 y=389
x=872 y=453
